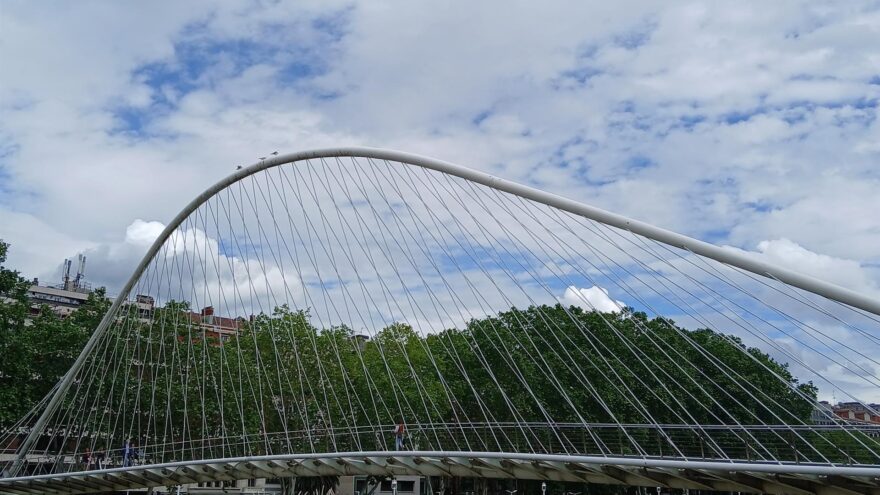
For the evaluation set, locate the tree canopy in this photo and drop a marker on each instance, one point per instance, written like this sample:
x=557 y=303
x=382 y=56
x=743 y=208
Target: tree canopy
x=281 y=373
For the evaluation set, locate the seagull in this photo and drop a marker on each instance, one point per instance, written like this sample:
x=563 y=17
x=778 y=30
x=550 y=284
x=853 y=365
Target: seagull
x=274 y=153
x=262 y=158
x=238 y=167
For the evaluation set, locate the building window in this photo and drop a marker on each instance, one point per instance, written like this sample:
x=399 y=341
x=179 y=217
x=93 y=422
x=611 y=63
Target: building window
x=360 y=486
x=402 y=486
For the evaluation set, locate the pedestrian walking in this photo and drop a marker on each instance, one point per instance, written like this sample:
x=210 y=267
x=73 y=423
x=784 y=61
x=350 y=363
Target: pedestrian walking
x=86 y=459
x=399 y=433
x=126 y=453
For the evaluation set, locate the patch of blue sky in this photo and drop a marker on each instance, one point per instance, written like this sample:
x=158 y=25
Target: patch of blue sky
x=506 y=262
x=11 y=196
x=297 y=71
x=324 y=284
x=587 y=51
x=6 y=181
x=560 y=152
x=334 y=25
x=581 y=75
x=626 y=116
x=197 y=60
x=641 y=123
x=480 y=117
x=654 y=306
x=875 y=80
x=200 y=61
x=863 y=103
x=736 y=117
x=717 y=185
x=226 y=247
x=356 y=203
x=583 y=173
x=575 y=163
x=762 y=206
x=8 y=149
x=17 y=100
x=690 y=121
x=583 y=71
x=795 y=115
x=636 y=37
x=625 y=106
x=811 y=77
x=799 y=111
x=197 y=63
x=324 y=95
x=304 y=67
x=133 y=121
x=737 y=312
x=860 y=103
x=454 y=259
x=715 y=235
x=621 y=286
x=654 y=293
x=639 y=162
x=242 y=248
x=650 y=293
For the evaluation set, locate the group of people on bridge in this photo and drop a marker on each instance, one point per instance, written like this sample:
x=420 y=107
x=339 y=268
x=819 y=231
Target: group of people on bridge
x=130 y=455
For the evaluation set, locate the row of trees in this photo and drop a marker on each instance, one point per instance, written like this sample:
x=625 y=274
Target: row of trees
x=282 y=384
x=36 y=350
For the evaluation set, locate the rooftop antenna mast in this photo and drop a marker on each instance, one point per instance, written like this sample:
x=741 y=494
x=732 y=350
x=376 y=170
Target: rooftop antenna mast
x=65 y=274
x=80 y=272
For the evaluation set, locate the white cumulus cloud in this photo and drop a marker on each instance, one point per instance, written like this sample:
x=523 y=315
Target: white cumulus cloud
x=593 y=298
x=143 y=233
x=847 y=273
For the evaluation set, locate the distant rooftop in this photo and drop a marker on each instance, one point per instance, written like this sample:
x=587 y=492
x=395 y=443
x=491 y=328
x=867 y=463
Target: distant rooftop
x=55 y=291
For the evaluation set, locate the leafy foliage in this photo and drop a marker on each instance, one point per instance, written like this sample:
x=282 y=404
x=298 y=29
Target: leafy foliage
x=283 y=374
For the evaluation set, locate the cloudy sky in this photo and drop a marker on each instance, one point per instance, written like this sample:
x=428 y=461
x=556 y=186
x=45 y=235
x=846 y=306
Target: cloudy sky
x=749 y=124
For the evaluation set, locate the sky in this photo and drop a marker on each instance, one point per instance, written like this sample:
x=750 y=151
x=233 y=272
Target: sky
x=747 y=124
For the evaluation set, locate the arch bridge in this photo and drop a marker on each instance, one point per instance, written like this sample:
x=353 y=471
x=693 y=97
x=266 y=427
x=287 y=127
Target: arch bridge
x=357 y=311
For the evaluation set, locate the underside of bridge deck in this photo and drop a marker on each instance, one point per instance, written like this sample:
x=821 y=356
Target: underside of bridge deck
x=699 y=475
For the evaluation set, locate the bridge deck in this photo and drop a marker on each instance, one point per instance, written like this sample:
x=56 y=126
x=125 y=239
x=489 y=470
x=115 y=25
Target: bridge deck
x=780 y=478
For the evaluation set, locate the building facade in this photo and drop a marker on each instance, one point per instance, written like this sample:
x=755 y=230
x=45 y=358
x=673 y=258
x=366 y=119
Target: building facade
x=63 y=302
x=848 y=412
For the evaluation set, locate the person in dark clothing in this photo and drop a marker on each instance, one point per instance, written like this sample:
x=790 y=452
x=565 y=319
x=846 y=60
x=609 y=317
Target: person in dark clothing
x=126 y=453
x=86 y=459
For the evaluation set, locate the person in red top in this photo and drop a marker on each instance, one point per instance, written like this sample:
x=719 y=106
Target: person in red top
x=399 y=432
